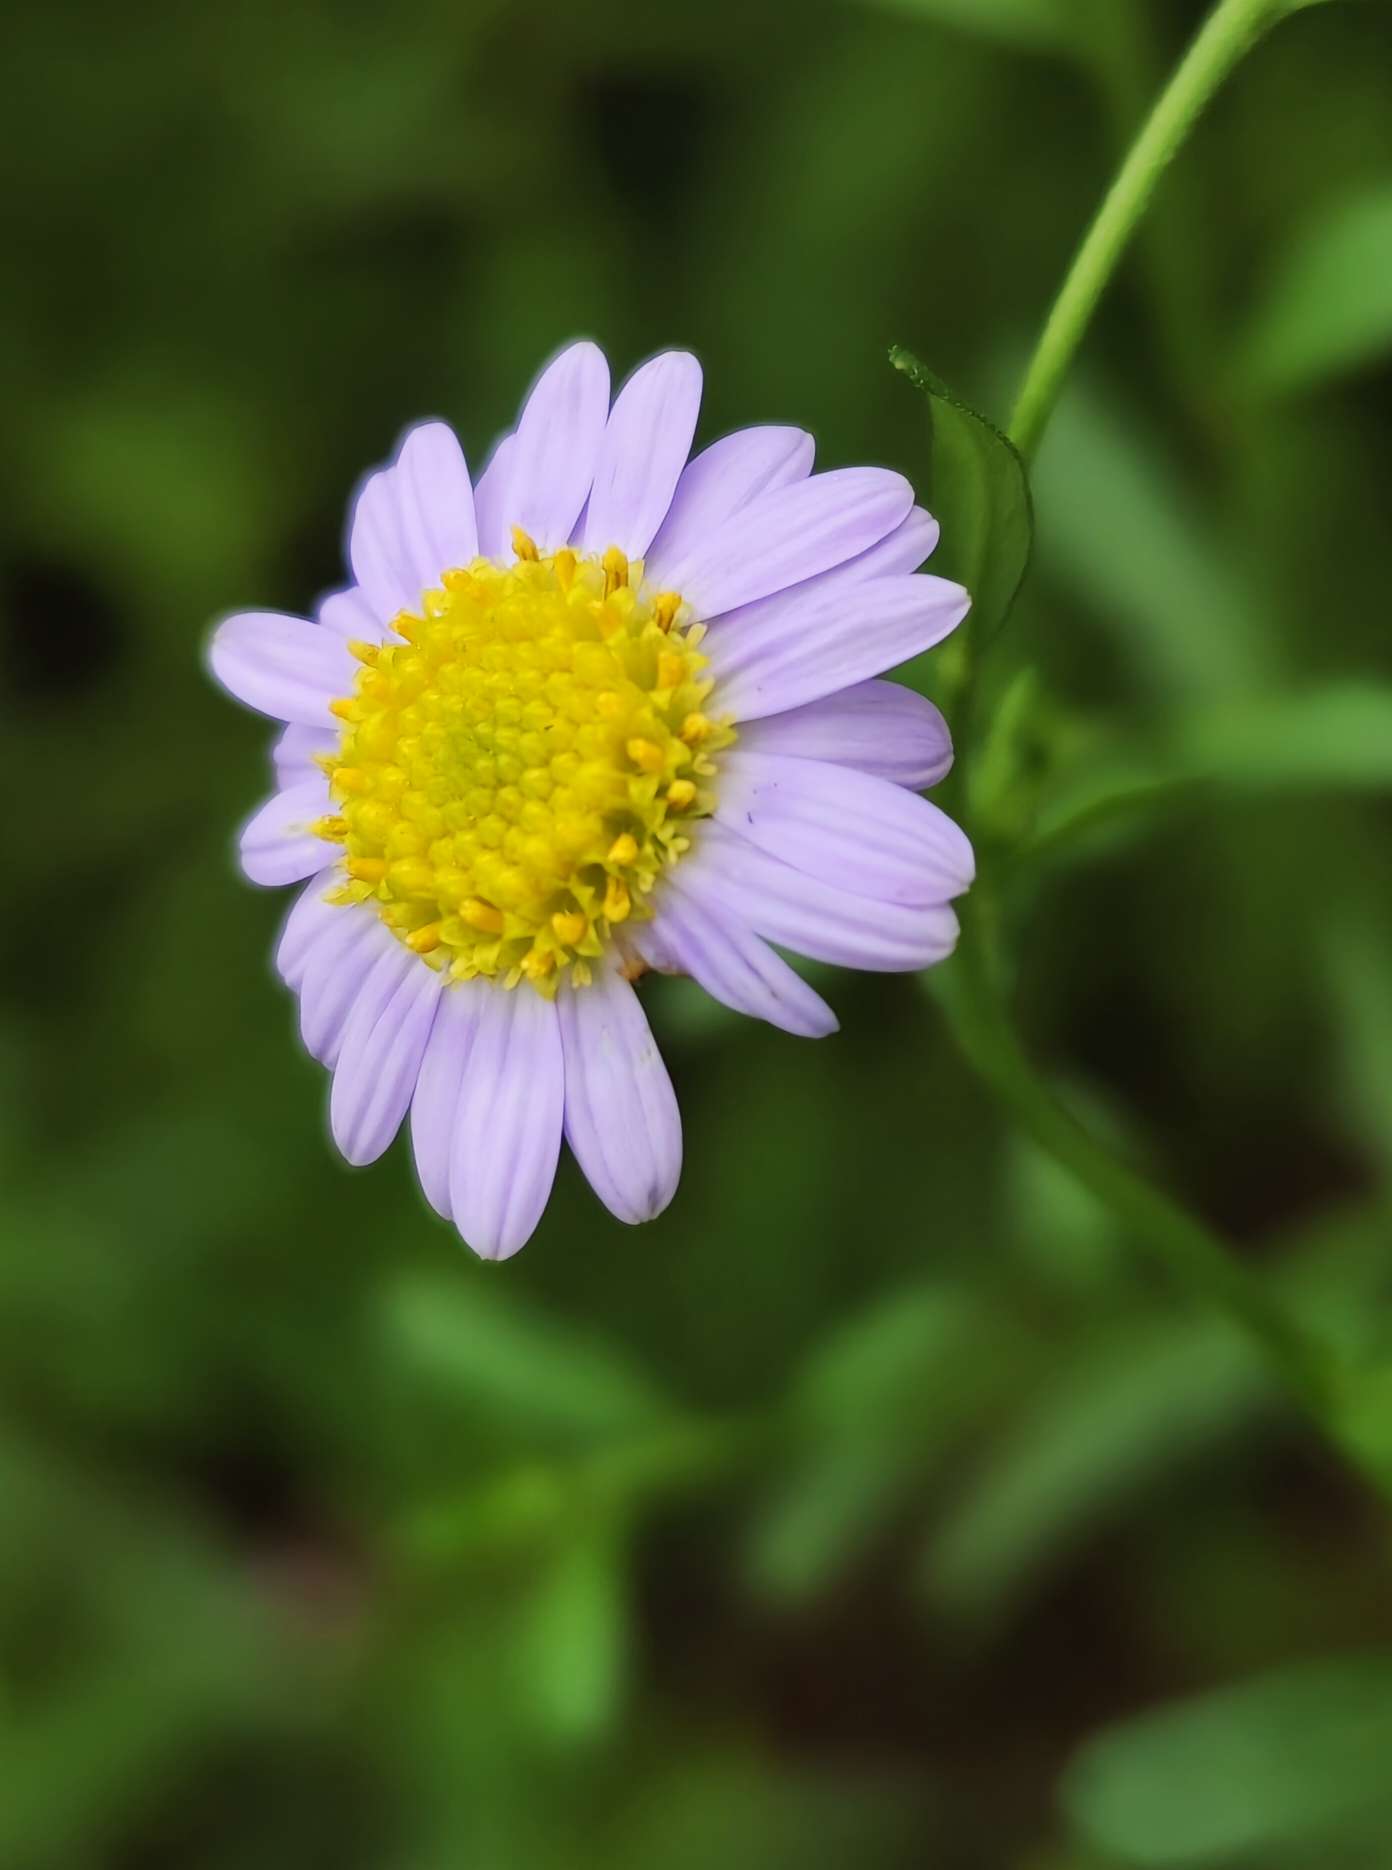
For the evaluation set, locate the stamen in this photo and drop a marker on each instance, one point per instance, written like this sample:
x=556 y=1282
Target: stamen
x=518 y=765
x=645 y=755
x=482 y=916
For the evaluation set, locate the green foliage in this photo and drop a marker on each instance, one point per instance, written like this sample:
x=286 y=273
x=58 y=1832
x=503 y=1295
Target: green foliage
x=1028 y=24
x=1285 y=1763
x=571 y=1647
x=876 y=1409
x=822 y=1521
x=1135 y=544
x=1327 y=308
x=518 y=1371
x=980 y=494
x=1322 y=741
x=1142 y=1402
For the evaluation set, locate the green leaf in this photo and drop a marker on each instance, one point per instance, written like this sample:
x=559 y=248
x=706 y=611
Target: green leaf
x=876 y=1408
x=1294 y=1757
x=1125 y=534
x=1027 y=24
x=571 y=1649
x=1338 y=737
x=1332 y=739
x=828 y=1507
x=1133 y=1406
x=1328 y=307
x=979 y=492
x=536 y=1374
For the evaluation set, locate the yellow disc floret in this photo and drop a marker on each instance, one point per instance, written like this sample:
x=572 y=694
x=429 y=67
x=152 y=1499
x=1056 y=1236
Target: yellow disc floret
x=516 y=772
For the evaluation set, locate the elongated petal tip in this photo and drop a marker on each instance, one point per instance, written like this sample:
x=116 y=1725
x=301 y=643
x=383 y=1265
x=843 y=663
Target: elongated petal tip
x=278 y=844
x=507 y=1126
x=280 y=665
x=621 y=1116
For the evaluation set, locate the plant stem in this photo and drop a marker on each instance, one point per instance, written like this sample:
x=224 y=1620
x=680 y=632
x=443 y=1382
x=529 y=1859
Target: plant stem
x=1196 y=1259
x=1230 y=30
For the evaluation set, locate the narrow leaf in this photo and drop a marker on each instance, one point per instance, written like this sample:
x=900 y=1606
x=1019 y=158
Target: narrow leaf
x=1138 y=1404
x=571 y=1649
x=979 y=492
x=1328 y=307
x=540 y=1376
x=1332 y=739
x=1292 y=1757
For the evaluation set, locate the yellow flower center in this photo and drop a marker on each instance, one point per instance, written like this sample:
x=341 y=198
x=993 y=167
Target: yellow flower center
x=514 y=775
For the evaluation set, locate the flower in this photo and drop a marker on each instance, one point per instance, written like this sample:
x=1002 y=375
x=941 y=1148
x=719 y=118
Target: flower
x=607 y=709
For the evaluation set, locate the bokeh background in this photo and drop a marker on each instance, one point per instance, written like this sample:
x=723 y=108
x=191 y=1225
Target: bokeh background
x=879 y=1505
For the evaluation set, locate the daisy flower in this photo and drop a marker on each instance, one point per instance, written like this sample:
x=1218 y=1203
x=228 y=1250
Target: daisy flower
x=604 y=709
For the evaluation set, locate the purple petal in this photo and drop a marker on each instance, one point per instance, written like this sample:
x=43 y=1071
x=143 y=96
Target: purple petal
x=436 y=1096
x=281 y=666
x=621 y=1116
x=338 y=965
x=786 y=536
x=507 y=1131
x=436 y=501
x=492 y=501
x=381 y=1053
x=905 y=549
x=695 y=933
x=375 y=553
x=276 y=845
x=902 y=550
x=813 y=917
x=349 y=615
x=645 y=446
x=878 y=727
x=413 y=521
x=294 y=751
x=797 y=649
x=863 y=834
x=720 y=481
x=309 y=921
x=558 y=441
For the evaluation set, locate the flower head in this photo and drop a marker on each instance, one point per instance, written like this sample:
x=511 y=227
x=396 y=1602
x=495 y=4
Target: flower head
x=605 y=709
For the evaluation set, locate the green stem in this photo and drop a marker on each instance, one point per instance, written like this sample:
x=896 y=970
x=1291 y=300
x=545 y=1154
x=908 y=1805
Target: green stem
x=1230 y=30
x=1195 y=1258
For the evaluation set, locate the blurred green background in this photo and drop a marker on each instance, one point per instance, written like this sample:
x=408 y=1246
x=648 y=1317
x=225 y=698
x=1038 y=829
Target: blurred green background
x=876 y=1506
